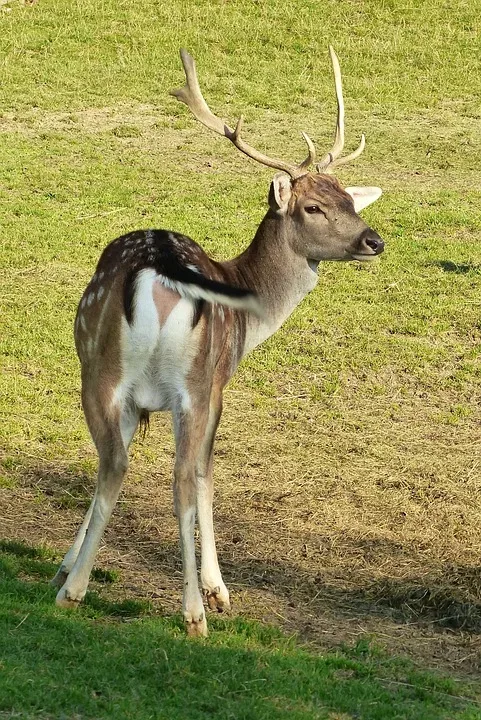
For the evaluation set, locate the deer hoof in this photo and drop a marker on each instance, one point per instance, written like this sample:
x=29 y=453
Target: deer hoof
x=195 y=626
x=217 y=598
x=60 y=578
x=66 y=599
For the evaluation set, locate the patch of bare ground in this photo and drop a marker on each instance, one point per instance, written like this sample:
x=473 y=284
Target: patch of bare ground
x=327 y=531
x=419 y=152
x=88 y=120
x=142 y=127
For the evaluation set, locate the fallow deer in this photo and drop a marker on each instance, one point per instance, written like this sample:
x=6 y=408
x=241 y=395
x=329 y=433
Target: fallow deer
x=161 y=326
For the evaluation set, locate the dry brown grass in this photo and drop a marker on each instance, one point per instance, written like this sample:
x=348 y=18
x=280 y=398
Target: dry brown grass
x=330 y=536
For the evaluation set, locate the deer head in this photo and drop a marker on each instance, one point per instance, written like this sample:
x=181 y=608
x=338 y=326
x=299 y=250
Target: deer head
x=319 y=219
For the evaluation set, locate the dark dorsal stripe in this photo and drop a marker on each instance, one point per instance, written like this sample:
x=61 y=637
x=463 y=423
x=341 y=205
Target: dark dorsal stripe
x=169 y=254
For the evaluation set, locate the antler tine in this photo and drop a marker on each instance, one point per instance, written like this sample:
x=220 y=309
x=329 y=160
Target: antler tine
x=311 y=158
x=351 y=156
x=191 y=95
x=339 y=136
x=332 y=159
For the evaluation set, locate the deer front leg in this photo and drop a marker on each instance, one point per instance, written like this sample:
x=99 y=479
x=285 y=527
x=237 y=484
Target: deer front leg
x=213 y=586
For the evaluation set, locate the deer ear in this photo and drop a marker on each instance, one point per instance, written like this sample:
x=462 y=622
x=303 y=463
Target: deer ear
x=363 y=196
x=280 y=192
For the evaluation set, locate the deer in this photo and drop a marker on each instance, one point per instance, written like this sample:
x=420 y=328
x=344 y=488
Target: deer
x=163 y=327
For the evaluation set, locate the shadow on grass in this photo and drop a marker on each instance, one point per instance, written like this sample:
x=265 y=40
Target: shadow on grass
x=458 y=268
x=18 y=559
x=444 y=596
x=441 y=597
x=433 y=600
x=22 y=550
x=95 y=664
x=64 y=489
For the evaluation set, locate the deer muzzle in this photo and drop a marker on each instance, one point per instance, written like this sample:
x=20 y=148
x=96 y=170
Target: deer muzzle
x=369 y=244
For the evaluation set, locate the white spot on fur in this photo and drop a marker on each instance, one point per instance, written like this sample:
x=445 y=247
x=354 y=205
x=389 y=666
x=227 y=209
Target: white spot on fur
x=103 y=312
x=90 y=299
x=83 y=324
x=94 y=279
x=84 y=300
x=100 y=292
x=101 y=275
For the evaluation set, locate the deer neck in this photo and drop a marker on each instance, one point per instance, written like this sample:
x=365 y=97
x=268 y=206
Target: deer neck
x=280 y=277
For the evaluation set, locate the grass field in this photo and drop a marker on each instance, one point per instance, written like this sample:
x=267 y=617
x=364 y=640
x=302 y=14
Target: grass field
x=114 y=660
x=347 y=464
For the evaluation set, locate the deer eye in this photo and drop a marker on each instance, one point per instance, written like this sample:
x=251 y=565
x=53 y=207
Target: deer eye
x=312 y=209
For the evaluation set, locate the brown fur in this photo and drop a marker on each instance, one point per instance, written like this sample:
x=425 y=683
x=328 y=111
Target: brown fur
x=324 y=188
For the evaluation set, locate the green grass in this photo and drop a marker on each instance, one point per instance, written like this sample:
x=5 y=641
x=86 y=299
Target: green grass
x=117 y=660
x=347 y=459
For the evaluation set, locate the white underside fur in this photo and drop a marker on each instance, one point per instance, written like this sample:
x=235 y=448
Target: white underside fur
x=156 y=360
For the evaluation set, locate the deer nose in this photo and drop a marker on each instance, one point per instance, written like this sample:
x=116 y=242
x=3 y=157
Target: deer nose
x=370 y=239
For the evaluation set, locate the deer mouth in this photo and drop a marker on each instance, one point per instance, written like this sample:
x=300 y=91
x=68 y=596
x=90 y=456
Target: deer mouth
x=365 y=257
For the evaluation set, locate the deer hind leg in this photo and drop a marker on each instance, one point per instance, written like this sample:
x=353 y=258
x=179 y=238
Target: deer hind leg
x=68 y=562
x=112 y=441
x=213 y=586
x=189 y=429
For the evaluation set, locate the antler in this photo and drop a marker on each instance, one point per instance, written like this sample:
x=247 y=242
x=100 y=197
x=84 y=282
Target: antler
x=332 y=160
x=191 y=95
